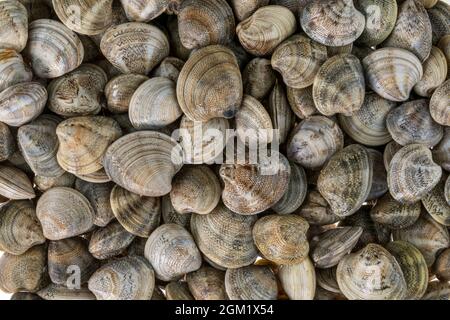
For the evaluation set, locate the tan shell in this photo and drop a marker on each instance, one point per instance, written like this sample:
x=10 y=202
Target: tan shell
x=442 y=265
x=19 y=227
x=371 y=274
x=368 y=124
x=280 y=112
x=78 y=93
x=13 y=25
x=145 y=10
x=172 y=252
x=298 y=280
x=144 y=162
x=99 y=176
x=134 y=47
x=302 y=102
x=434 y=73
x=170 y=215
x=176 y=46
x=332 y=23
x=333 y=51
x=138 y=215
x=154 y=104
x=120 y=89
x=44 y=183
x=25 y=296
x=16 y=159
x=265 y=29
x=439 y=105
x=251 y=283
x=441 y=152
x=392 y=72
x=128 y=278
x=339 y=86
x=389 y=151
x=447 y=190
x=64 y=213
x=444 y=45
x=21 y=103
x=393 y=214
x=13 y=69
x=316 y=210
x=412 y=30
x=437 y=291
x=14 y=184
x=177 y=290
x=439 y=17
x=314 y=141
x=63 y=49
x=379 y=183
x=169 y=68
x=436 y=205
x=258 y=78
x=210 y=84
x=326 y=279
x=412 y=173
x=207 y=284
x=61 y=292
x=217 y=233
x=298 y=59
x=109 y=241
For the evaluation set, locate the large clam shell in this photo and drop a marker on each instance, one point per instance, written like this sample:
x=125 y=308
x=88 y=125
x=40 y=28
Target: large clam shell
x=13 y=25
x=13 y=69
x=120 y=89
x=434 y=73
x=109 y=241
x=439 y=104
x=298 y=280
x=395 y=215
x=296 y=191
x=436 y=205
x=14 y=184
x=207 y=284
x=251 y=283
x=258 y=78
x=439 y=17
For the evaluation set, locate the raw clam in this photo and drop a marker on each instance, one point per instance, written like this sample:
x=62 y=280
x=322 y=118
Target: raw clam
x=296 y=191
x=169 y=68
x=244 y=9
x=434 y=73
x=207 y=284
x=393 y=214
x=258 y=78
x=13 y=69
x=251 y=283
x=120 y=89
x=436 y=205
x=14 y=183
x=170 y=215
x=109 y=241
x=298 y=280
x=7 y=143
x=439 y=17
x=280 y=112
x=439 y=105
x=13 y=25
x=302 y=102
x=442 y=265
x=44 y=183
x=316 y=210
x=145 y=10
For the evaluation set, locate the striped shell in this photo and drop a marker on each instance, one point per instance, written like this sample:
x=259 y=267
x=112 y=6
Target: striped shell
x=441 y=152
x=439 y=104
x=15 y=184
x=281 y=114
x=44 y=183
x=13 y=25
x=302 y=102
x=170 y=215
x=442 y=265
x=436 y=205
x=298 y=280
x=145 y=10
x=439 y=17
x=120 y=89
x=109 y=241
x=61 y=292
x=258 y=78
x=251 y=283
x=393 y=214
x=13 y=69
x=169 y=68
x=244 y=9
x=316 y=210
x=207 y=284
x=178 y=290
x=434 y=73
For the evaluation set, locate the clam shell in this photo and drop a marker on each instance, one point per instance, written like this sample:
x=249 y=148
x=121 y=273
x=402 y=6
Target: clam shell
x=326 y=279
x=13 y=25
x=172 y=252
x=44 y=183
x=444 y=45
x=13 y=69
x=379 y=183
x=333 y=51
x=439 y=105
x=207 y=284
x=244 y=9
x=61 y=292
x=120 y=89
x=437 y=291
x=302 y=102
x=144 y=10
x=298 y=280
x=170 y=215
x=280 y=112
x=439 y=17
x=176 y=46
x=294 y=5
x=7 y=142
x=393 y=214
x=436 y=205
x=441 y=152
x=447 y=191
x=434 y=73
x=14 y=184
x=316 y=210
x=442 y=265
x=169 y=68
x=177 y=290
x=389 y=151
x=99 y=176
x=91 y=50
x=109 y=241
x=258 y=78
x=251 y=283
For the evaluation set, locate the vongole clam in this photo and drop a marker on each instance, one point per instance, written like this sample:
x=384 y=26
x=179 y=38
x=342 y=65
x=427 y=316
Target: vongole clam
x=436 y=205
x=109 y=241
x=120 y=89
x=146 y=10
x=393 y=214
x=207 y=283
x=444 y=45
x=298 y=280
x=244 y=9
x=280 y=112
x=439 y=18
x=13 y=25
x=251 y=283
x=301 y=102
x=15 y=184
x=258 y=78
x=439 y=105
x=7 y=143
x=169 y=68
x=170 y=215
x=441 y=152
x=441 y=266
x=295 y=193
x=434 y=73
x=13 y=69
x=316 y=210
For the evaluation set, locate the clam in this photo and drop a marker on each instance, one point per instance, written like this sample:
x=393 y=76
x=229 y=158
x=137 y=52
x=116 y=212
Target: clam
x=172 y=252
x=120 y=89
x=439 y=105
x=169 y=68
x=109 y=241
x=441 y=152
x=334 y=51
x=298 y=280
x=265 y=29
x=412 y=174
x=25 y=296
x=436 y=205
x=316 y=210
x=296 y=191
x=332 y=23
x=210 y=84
x=13 y=25
x=128 y=278
x=371 y=274
x=207 y=284
x=177 y=290
x=170 y=215
x=217 y=234
x=298 y=59
x=392 y=72
x=64 y=213
x=7 y=143
x=294 y=5
x=14 y=184
x=339 y=86
x=91 y=50
x=144 y=162
x=63 y=49
x=434 y=73
x=412 y=30
x=13 y=69
x=393 y=214
x=176 y=46
x=258 y=78
x=439 y=17
x=442 y=265
x=389 y=151
x=99 y=176
x=251 y=283
x=17 y=160
x=19 y=227
x=61 y=292
x=21 y=103
x=137 y=214
x=44 y=183
x=145 y=10
x=280 y=112
x=447 y=190
x=244 y=9
x=326 y=279
x=379 y=183
x=444 y=45
x=302 y=102
x=437 y=291
x=134 y=47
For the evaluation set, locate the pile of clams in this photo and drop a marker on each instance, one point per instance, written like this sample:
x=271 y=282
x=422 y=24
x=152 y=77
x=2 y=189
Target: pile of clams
x=127 y=129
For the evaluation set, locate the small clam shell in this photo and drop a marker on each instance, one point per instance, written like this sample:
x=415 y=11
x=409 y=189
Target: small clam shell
x=44 y=183
x=202 y=23
x=298 y=280
x=437 y=291
x=296 y=191
x=441 y=152
x=63 y=49
x=135 y=47
x=13 y=69
x=244 y=9
x=7 y=143
x=439 y=104
x=138 y=215
x=413 y=265
x=389 y=151
x=346 y=180
x=444 y=45
x=316 y=210
x=64 y=213
x=154 y=104
x=298 y=59
x=91 y=50
x=393 y=214
x=19 y=227
x=17 y=160
x=392 y=72
x=251 y=283
x=439 y=17
x=412 y=30
x=13 y=25
x=339 y=86
x=314 y=141
x=144 y=10
x=217 y=233
x=427 y=235
x=128 y=278
x=179 y=291
x=21 y=103
x=326 y=279
x=434 y=73
x=379 y=182
x=78 y=93
x=169 y=68
x=120 y=89
x=99 y=176
x=61 y=292
x=210 y=84
x=436 y=205
x=14 y=184
x=265 y=29
x=412 y=173
x=258 y=78
x=176 y=46
x=109 y=241
x=371 y=274
x=144 y=162
x=170 y=215
x=280 y=112
x=442 y=265
x=332 y=23
x=207 y=284
x=302 y=102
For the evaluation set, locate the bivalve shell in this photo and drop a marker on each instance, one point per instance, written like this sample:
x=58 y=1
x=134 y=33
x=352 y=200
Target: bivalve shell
x=207 y=284
x=109 y=241
x=434 y=73
x=120 y=89
x=13 y=69
x=251 y=283
x=15 y=184
x=436 y=205
x=439 y=104
x=298 y=280
x=395 y=215
x=13 y=25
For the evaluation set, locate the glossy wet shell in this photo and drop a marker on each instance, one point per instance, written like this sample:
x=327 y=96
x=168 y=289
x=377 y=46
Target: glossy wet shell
x=207 y=284
x=251 y=283
x=258 y=78
x=109 y=241
x=13 y=69
x=393 y=214
x=436 y=205
x=298 y=280
x=144 y=10
x=14 y=184
x=302 y=102
x=316 y=210
x=442 y=265
x=169 y=68
x=439 y=105
x=434 y=73
x=13 y=25
x=120 y=89
x=45 y=183
x=296 y=191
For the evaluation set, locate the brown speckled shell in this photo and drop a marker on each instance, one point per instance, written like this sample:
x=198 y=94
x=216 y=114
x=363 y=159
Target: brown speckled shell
x=258 y=78
x=251 y=283
x=109 y=241
x=393 y=214
x=439 y=17
x=207 y=284
x=439 y=104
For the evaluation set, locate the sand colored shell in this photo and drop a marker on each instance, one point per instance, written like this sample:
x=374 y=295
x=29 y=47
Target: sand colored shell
x=61 y=292
x=265 y=29
x=251 y=283
x=437 y=290
x=441 y=152
x=298 y=280
x=210 y=84
x=332 y=23
x=7 y=142
x=64 y=213
x=176 y=46
x=326 y=279
x=144 y=162
x=44 y=183
x=371 y=274
x=217 y=233
x=244 y=9
x=134 y=47
x=434 y=73
x=15 y=184
x=120 y=89
x=316 y=210
x=368 y=124
x=109 y=241
x=439 y=17
x=389 y=151
x=13 y=69
x=447 y=190
x=393 y=214
x=379 y=183
x=258 y=78
x=178 y=291
x=169 y=68
x=392 y=72
x=298 y=59
x=128 y=278
x=19 y=227
x=339 y=86
x=302 y=102
x=13 y=25
x=138 y=215
x=207 y=284
x=145 y=10
x=444 y=45
x=441 y=267
x=439 y=104
x=170 y=215
x=99 y=176
x=412 y=173
x=436 y=205
x=280 y=112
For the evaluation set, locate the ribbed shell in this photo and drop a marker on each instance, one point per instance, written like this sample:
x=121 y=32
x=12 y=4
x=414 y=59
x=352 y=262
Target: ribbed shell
x=280 y=112
x=7 y=142
x=13 y=25
x=245 y=8
x=441 y=152
x=339 y=86
x=134 y=47
x=439 y=17
x=326 y=279
x=13 y=69
x=99 y=176
x=295 y=193
x=439 y=104
x=109 y=241
x=258 y=78
x=178 y=291
x=302 y=102
x=120 y=89
x=437 y=291
x=444 y=45
x=176 y=46
x=145 y=10
x=333 y=51
x=298 y=280
x=64 y=213
x=434 y=73
x=316 y=210
x=389 y=151
x=332 y=23
x=217 y=234
x=15 y=184
x=210 y=84
x=251 y=283
x=61 y=292
x=392 y=72
x=393 y=214
x=265 y=29
x=169 y=68
x=207 y=284
x=441 y=267
x=379 y=183
x=44 y=183
x=436 y=205
x=412 y=173
x=170 y=215
x=138 y=215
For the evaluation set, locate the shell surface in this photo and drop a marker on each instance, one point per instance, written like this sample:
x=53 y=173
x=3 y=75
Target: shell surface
x=109 y=241
x=281 y=114
x=15 y=184
x=302 y=102
x=393 y=214
x=298 y=280
x=251 y=283
x=258 y=78
x=13 y=69
x=120 y=89
x=207 y=284
x=316 y=210
x=436 y=205
x=442 y=265
x=434 y=73
x=13 y=25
